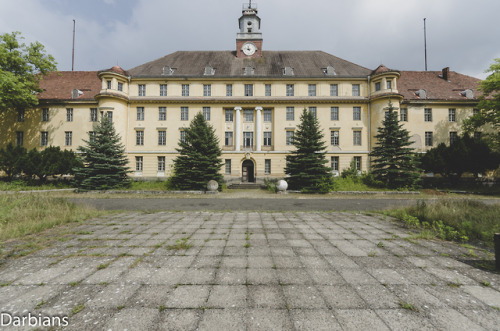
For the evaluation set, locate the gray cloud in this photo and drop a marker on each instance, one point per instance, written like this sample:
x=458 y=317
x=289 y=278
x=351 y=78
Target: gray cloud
x=460 y=34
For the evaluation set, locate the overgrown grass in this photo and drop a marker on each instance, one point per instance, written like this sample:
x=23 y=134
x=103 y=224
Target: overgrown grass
x=21 y=185
x=22 y=214
x=157 y=185
x=353 y=184
x=459 y=220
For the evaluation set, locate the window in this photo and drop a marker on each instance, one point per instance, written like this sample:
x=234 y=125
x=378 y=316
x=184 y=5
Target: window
x=163 y=90
x=207 y=90
x=19 y=138
x=161 y=163
x=267 y=115
x=69 y=114
x=334 y=113
x=290 y=113
x=313 y=111
x=428 y=114
x=184 y=113
x=138 y=163
x=140 y=113
x=93 y=114
x=356 y=113
x=311 y=90
x=477 y=135
x=228 y=138
x=428 y=138
x=45 y=114
x=248 y=90
x=206 y=113
x=142 y=90
x=247 y=139
x=377 y=86
x=44 y=138
x=452 y=115
x=229 y=115
x=356 y=138
x=267 y=138
x=162 y=113
x=389 y=84
x=185 y=90
x=334 y=163
x=290 y=90
x=229 y=90
x=268 y=90
x=108 y=84
x=120 y=87
x=92 y=136
x=403 y=115
x=355 y=90
x=248 y=115
x=357 y=162
x=228 y=166
x=20 y=115
x=68 y=138
x=183 y=136
x=267 y=166
x=334 y=90
x=453 y=137
x=162 y=137
x=289 y=137
x=334 y=137
x=109 y=114
x=139 y=138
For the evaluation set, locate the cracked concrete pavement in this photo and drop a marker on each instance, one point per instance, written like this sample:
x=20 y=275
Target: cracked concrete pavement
x=211 y=270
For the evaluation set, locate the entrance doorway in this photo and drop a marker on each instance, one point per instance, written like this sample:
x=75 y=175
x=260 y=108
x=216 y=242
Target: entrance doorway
x=247 y=172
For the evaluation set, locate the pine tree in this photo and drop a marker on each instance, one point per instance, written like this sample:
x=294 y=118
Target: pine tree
x=394 y=162
x=306 y=166
x=199 y=160
x=105 y=163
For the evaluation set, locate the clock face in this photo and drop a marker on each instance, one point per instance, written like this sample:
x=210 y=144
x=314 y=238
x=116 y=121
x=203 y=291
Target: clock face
x=249 y=49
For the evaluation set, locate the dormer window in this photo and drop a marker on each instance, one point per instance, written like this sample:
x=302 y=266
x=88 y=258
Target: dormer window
x=421 y=93
x=469 y=94
x=247 y=71
x=209 y=71
x=167 y=71
x=288 y=71
x=329 y=71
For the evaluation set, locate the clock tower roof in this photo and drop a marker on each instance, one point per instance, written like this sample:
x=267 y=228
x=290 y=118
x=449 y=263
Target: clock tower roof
x=249 y=38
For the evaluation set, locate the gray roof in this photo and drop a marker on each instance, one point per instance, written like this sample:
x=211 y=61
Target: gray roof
x=270 y=65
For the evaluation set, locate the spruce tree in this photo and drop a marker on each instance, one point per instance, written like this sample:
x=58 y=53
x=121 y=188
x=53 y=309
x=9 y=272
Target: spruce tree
x=394 y=162
x=199 y=160
x=306 y=166
x=104 y=159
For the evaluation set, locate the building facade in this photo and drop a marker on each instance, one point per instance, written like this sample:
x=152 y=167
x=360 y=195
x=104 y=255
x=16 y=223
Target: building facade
x=252 y=97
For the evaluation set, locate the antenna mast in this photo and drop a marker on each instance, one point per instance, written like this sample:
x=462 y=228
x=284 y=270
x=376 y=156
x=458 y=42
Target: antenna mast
x=73 y=55
x=425 y=45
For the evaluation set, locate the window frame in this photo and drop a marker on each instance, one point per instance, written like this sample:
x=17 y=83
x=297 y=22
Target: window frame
x=334 y=163
x=289 y=137
x=207 y=90
x=185 y=90
x=268 y=138
x=228 y=138
x=19 y=138
x=162 y=113
x=206 y=113
x=93 y=114
x=290 y=113
x=335 y=137
x=403 y=115
x=142 y=90
x=290 y=90
x=140 y=113
x=139 y=137
x=267 y=90
x=227 y=166
x=163 y=90
x=161 y=163
x=452 y=115
x=334 y=113
x=44 y=138
x=356 y=138
x=45 y=114
x=427 y=114
x=334 y=90
x=311 y=90
x=356 y=113
x=429 y=139
x=248 y=90
x=267 y=166
x=267 y=115
x=139 y=163
x=184 y=113
x=162 y=137
x=356 y=90
x=229 y=115
x=68 y=138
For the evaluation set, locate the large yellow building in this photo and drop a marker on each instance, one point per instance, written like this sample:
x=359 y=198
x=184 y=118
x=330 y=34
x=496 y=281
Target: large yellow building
x=252 y=97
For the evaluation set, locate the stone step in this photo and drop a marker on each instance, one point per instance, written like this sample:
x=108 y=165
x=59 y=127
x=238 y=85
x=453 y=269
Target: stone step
x=245 y=186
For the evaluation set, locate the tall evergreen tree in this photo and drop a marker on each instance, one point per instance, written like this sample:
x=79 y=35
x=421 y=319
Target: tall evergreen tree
x=394 y=162
x=199 y=160
x=306 y=166
x=105 y=163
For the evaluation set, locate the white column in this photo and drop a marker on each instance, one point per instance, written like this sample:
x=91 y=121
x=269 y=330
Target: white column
x=258 y=127
x=237 y=129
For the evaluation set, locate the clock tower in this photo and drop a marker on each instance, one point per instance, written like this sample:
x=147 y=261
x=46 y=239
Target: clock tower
x=249 y=39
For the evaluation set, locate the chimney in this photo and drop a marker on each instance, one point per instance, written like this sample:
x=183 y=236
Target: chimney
x=446 y=73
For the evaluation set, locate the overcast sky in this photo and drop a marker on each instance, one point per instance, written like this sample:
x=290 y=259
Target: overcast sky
x=461 y=34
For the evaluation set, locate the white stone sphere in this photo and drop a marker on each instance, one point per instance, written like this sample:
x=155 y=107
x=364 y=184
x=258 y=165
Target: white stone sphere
x=282 y=185
x=212 y=185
